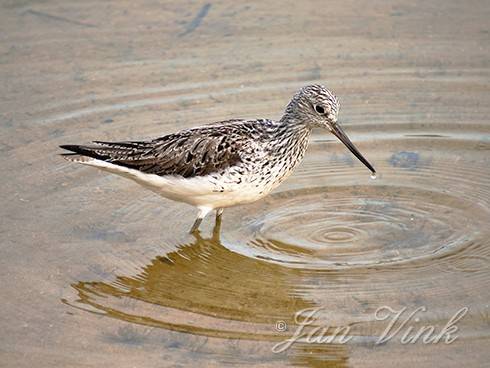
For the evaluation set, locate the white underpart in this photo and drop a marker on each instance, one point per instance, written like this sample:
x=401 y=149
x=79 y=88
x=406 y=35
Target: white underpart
x=205 y=192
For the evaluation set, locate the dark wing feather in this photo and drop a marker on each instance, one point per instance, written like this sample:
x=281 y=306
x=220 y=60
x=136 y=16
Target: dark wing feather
x=194 y=152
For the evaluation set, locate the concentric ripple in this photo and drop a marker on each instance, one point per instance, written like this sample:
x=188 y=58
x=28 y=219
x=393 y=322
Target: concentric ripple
x=331 y=227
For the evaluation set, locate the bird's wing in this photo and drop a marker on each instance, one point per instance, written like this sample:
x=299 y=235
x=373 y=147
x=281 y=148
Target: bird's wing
x=189 y=153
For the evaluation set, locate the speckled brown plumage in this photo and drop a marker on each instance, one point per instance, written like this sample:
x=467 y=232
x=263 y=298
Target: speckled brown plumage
x=193 y=152
x=225 y=163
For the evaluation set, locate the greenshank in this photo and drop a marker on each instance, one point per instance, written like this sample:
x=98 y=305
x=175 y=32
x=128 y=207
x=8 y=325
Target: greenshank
x=226 y=163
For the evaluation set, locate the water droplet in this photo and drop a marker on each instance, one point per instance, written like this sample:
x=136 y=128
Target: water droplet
x=373 y=176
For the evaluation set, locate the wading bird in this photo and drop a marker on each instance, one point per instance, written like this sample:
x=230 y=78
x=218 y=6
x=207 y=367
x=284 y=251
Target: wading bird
x=222 y=164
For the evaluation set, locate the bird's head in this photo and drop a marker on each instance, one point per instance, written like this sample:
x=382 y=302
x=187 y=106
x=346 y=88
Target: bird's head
x=317 y=107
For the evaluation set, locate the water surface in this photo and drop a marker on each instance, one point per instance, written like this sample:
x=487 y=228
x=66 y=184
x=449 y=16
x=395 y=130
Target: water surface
x=95 y=270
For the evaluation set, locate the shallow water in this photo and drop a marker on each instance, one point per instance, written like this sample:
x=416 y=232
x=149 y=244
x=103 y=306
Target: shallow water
x=95 y=270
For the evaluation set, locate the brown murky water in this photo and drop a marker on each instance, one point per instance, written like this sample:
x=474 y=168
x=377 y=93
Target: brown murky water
x=97 y=271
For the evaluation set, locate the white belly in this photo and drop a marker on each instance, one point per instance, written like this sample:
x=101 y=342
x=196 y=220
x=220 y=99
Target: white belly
x=204 y=191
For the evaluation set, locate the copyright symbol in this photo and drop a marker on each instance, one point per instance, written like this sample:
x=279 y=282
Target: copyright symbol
x=281 y=326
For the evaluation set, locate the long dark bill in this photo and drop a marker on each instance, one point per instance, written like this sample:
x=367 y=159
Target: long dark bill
x=340 y=134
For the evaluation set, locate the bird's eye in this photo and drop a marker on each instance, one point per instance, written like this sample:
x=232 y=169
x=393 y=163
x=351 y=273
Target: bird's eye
x=319 y=109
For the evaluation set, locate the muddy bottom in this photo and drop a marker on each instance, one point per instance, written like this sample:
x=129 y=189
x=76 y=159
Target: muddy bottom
x=334 y=269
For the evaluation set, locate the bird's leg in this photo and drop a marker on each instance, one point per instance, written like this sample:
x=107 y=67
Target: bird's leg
x=203 y=211
x=217 y=224
x=219 y=212
x=196 y=224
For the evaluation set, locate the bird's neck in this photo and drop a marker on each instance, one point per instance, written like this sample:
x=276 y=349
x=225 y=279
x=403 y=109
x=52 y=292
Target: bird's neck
x=291 y=137
x=293 y=126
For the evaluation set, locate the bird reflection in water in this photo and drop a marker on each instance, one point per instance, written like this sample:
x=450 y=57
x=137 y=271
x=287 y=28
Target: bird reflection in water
x=203 y=288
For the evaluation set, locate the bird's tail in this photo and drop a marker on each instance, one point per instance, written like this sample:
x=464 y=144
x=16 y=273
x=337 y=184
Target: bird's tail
x=80 y=153
x=121 y=153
